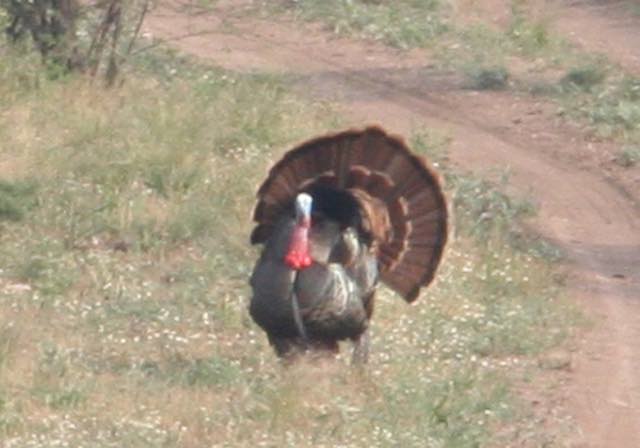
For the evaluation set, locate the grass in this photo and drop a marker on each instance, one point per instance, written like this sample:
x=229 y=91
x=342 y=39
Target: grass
x=16 y=198
x=123 y=282
x=522 y=51
x=515 y=55
x=403 y=24
x=633 y=8
x=488 y=78
x=629 y=156
x=583 y=78
x=433 y=24
x=610 y=103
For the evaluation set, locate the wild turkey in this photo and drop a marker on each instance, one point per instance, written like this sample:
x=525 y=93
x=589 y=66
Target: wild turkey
x=336 y=214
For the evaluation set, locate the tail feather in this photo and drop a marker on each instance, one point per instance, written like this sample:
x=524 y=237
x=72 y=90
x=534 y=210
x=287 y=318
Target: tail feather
x=400 y=197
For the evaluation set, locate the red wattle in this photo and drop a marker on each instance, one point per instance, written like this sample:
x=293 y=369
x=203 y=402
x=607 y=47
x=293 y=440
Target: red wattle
x=298 y=255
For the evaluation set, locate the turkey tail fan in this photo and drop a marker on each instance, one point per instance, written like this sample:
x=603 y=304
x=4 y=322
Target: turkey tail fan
x=403 y=208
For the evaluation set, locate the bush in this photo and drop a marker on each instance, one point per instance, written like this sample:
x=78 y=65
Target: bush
x=488 y=78
x=54 y=28
x=50 y=24
x=628 y=156
x=584 y=78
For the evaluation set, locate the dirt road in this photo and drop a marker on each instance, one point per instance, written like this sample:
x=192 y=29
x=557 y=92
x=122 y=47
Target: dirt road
x=609 y=27
x=581 y=209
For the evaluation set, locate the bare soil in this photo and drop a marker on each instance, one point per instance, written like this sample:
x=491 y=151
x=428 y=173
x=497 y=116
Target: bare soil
x=609 y=27
x=587 y=206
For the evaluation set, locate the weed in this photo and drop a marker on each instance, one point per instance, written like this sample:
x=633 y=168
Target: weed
x=633 y=8
x=611 y=107
x=584 y=77
x=530 y=38
x=199 y=5
x=10 y=418
x=403 y=24
x=214 y=371
x=7 y=345
x=16 y=198
x=65 y=398
x=540 y=87
x=432 y=144
x=488 y=78
x=53 y=382
x=628 y=156
x=484 y=210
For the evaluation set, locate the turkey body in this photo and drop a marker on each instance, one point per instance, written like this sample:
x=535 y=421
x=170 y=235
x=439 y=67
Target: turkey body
x=377 y=214
x=334 y=295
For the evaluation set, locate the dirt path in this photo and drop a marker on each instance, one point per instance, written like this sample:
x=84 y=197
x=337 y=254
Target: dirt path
x=609 y=27
x=580 y=209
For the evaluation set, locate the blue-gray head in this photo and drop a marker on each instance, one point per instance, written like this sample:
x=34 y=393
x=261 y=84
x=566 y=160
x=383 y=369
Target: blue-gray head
x=303 y=208
x=298 y=256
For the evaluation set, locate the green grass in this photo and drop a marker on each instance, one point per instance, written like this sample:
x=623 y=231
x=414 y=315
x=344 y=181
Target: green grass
x=199 y=5
x=433 y=24
x=633 y=8
x=583 y=78
x=402 y=24
x=124 y=281
x=629 y=156
x=488 y=78
x=611 y=106
x=523 y=50
x=16 y=198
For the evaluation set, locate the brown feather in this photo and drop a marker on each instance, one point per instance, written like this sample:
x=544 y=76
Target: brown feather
x=402 y=206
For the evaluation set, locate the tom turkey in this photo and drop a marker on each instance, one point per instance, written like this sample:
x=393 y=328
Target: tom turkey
x=335 y=215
